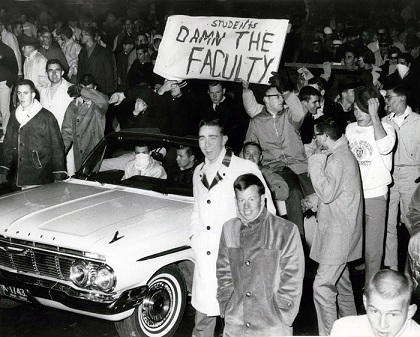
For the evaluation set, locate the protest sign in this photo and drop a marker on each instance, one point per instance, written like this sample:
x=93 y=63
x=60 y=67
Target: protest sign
x=221 y=48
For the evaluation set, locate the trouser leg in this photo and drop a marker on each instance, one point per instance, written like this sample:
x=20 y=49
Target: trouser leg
x=391 y=241
x=345 y=298
x=204 y=325
x=407 y=188
x=293 y=206
x=375 y=217
x=325 y=295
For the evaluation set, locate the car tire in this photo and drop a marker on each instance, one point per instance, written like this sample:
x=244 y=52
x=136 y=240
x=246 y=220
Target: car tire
x=5 y=303
x=162 y=309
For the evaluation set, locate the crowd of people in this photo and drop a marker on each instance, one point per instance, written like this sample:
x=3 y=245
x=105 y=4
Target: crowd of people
x=337 y=137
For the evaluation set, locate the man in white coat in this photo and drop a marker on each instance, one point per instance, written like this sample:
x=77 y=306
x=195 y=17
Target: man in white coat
x=214 y=204
x=54 y=97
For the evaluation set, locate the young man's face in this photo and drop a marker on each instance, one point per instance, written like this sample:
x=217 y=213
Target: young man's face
x=216 y=93
x=25 y=95
x=362 y=118
x=141 y=150
x=46 y=39
x=54 y=73
x=211 y=142
x=392 y=102
x=141 y=55
x=141 y=39
x=387 y=316
x=27 y=50
x=249 y=202
x=84 y=37
x=313 y=104
x=182 y=158
x=349 y=59
x=348 y=95
x=252 y=153
x=127 y=47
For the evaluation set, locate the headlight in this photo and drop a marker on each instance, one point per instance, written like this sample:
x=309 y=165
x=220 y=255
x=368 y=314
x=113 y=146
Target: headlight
x=92 y=276
x=79 y=272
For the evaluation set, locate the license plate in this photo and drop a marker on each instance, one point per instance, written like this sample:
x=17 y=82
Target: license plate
x=15 y=293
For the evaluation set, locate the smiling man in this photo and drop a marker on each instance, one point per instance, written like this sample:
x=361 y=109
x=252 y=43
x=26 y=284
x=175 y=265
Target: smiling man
x=214 y=204
x=252 y=295
x=388 y=309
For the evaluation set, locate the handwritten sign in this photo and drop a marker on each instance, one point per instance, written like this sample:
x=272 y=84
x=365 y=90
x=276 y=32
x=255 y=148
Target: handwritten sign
x=221 y=48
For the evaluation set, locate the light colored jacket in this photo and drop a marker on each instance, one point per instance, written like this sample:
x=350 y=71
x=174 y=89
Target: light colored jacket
x=34 y=69
x=71 y=50
x=10 y=40
x=407 y=152
x=279 y=136
x=212 y=208
x=336 y=180
x=260 y=271
x=59 y=103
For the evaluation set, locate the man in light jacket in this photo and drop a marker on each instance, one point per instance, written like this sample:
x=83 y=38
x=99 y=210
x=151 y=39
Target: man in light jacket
x=260 y=267
x=338 y=234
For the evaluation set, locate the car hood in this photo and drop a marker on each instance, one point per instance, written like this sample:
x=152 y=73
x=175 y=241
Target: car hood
x=75 y=215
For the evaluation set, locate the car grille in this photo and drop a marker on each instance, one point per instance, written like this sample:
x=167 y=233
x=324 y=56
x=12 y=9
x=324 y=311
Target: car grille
x=32 y=258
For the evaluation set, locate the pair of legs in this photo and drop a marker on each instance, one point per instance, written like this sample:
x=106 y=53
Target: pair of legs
x=375 y=224
x=300 y=186
x=332 y=286
x=400 y=195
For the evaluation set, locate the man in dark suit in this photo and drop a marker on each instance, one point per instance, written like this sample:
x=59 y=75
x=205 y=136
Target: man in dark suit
x=96 y=61
x=221 y=106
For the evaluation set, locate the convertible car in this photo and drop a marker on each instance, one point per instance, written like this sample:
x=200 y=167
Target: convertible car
x=103 y=246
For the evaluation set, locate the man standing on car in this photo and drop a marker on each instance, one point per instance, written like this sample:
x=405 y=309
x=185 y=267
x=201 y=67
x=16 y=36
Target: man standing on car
x=214 y=205
x=33 y=143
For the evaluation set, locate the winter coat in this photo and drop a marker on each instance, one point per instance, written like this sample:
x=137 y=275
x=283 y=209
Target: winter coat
x=83 y=125
x=260 y=271
x=336 y=180
x=36 y=150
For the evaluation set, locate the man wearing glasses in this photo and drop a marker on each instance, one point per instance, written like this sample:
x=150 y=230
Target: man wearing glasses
x=276 y=129
x=406 y=166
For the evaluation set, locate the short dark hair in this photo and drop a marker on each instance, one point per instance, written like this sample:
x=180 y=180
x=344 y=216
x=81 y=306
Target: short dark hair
x=15 y=24
x=252 y=144
x=332 y=128
x=142 y=47
x=87 y=79
x=53 y=61
x=400 y=90
x=67 y=32
x=390 y=284
x=215 y=83
x=406 y=56
x=27 y=82
x=188 y=150
x=307 y=91
x=246 y=180
x=91 y=31
x=213 y=122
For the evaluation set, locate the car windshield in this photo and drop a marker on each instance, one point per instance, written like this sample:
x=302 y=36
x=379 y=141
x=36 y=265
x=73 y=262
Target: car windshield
x=144 y=160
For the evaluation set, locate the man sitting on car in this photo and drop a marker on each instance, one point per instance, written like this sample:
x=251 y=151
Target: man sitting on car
x=144 y=165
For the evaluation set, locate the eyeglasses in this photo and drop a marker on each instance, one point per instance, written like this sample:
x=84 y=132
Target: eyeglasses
x=316 y=134
x=275 y=95
x=388 y=97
